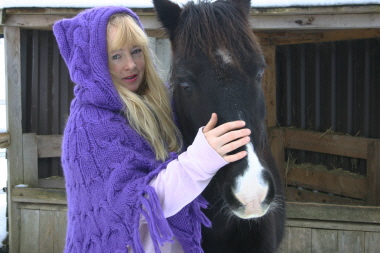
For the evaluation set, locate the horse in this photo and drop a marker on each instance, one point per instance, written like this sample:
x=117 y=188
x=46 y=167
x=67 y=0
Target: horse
x=217 y=66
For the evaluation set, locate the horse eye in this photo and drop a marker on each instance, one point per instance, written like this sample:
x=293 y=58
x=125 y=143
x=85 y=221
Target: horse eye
x=260 y=74
x=185 y=86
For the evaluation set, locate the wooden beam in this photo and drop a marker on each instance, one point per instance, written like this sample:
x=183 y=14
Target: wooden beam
x=303 y=195
x=30 y=159
x=49 y=145
x=333 y=226
x=5 y=140
x=373 y=172
x=39 y=195
x=277 y=143
x=269 y=85
x=14 y=126
x=299 y=37
x=327 y=212
x=268 y=19
x=334 y=144
x=315 y=22
x=338 y=184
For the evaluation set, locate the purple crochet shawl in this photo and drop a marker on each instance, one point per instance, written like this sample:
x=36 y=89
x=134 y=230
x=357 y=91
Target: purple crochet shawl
x=107 y=165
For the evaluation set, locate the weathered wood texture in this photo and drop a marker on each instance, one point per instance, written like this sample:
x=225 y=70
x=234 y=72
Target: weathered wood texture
x=330 y=185
x=319 y=228
x=15 y=158
x=266 y=19
x=310 y=227
x=42 y=230
x=5 y=140
x=41 y=146
x=269 y=85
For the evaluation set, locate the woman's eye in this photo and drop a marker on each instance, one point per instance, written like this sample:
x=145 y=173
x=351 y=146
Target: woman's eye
x=136 y=51
x=115 y=57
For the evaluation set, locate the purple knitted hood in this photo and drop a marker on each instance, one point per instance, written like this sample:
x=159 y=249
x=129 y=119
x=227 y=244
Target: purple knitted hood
x=108 y=165
x=83 y=44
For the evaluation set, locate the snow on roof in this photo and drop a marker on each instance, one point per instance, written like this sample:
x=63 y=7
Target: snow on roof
x=148 y=3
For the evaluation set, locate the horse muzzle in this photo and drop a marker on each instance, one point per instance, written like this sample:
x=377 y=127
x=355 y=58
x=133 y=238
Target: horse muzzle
x=253 y=188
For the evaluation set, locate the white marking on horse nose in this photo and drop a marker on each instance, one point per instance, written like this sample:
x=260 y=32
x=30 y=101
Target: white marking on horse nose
x=251 y=188
x=225 y=55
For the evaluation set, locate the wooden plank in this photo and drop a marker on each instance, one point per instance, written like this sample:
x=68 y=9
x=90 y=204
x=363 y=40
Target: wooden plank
x=260 y=21
x=373 y=172
x=333 y=144
x=60 y=226
x=339 y=184
x=302 y=195
x=46 y=238
x=372 y=242
x=350 y=241
x=5 y=140
x=277 y=144
x=290 y=38
x=299 y=240
x=30 y=220
x=49 y=145
x=328 y=212
x=333 y=225
x=39 y=206
x=38 y=195
x=35 y=82
x=324 y=241
x=313 y=22
x=52 y=182
x=269 y=85
x=30 y=159
x=14 y=126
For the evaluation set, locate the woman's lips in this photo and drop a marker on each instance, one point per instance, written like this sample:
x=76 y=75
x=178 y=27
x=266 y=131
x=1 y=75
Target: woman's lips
x=131 y=78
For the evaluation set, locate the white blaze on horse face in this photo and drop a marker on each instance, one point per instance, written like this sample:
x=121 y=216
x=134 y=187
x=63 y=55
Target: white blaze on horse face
x=251 y=188
x=225 y=55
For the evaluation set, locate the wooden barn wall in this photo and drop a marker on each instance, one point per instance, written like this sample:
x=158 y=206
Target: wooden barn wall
x=330 y=87
x=46 y=91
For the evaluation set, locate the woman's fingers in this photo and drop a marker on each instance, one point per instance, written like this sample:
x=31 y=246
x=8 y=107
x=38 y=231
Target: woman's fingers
x=231 y=146
x=211 y=124
x=227 y=127
x=235 y=157
x=225 y=138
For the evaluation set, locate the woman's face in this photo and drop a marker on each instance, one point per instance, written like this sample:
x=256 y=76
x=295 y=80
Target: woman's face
x=127 y=64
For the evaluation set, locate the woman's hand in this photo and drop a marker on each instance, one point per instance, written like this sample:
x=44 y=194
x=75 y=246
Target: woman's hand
x=225 y=138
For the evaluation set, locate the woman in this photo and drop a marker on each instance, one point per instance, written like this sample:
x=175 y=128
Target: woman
x=127 y=189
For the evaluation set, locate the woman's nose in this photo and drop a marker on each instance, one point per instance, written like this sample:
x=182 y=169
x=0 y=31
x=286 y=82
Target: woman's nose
x=129 y=63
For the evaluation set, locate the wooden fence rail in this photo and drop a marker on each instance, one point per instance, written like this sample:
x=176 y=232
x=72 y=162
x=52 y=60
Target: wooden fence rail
x=361 y=188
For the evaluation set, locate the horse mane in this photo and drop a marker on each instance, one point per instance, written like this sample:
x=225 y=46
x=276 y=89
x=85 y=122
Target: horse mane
x=211 y=26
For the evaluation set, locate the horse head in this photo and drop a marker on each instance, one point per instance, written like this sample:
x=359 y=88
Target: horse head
x=218 y=66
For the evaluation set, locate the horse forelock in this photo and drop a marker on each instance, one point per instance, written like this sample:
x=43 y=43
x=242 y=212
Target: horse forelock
x=212 y=28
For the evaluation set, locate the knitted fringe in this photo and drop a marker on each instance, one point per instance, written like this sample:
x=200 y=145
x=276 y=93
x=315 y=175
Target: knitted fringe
x=159 y=228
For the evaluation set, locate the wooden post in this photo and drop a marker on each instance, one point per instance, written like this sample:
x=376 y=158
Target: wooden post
x=373 y=172
x=30 y=156
x=15 y=157
x=269 y=84
x=277 y=143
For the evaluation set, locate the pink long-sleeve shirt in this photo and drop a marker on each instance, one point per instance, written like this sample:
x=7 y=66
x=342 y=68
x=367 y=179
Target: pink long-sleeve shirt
x=181 y=182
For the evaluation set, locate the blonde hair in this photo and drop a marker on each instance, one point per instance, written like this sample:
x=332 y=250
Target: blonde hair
x=148 y=110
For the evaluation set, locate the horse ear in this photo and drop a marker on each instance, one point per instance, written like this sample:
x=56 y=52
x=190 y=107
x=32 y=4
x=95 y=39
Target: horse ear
x=243 y=5
x=168 y=14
